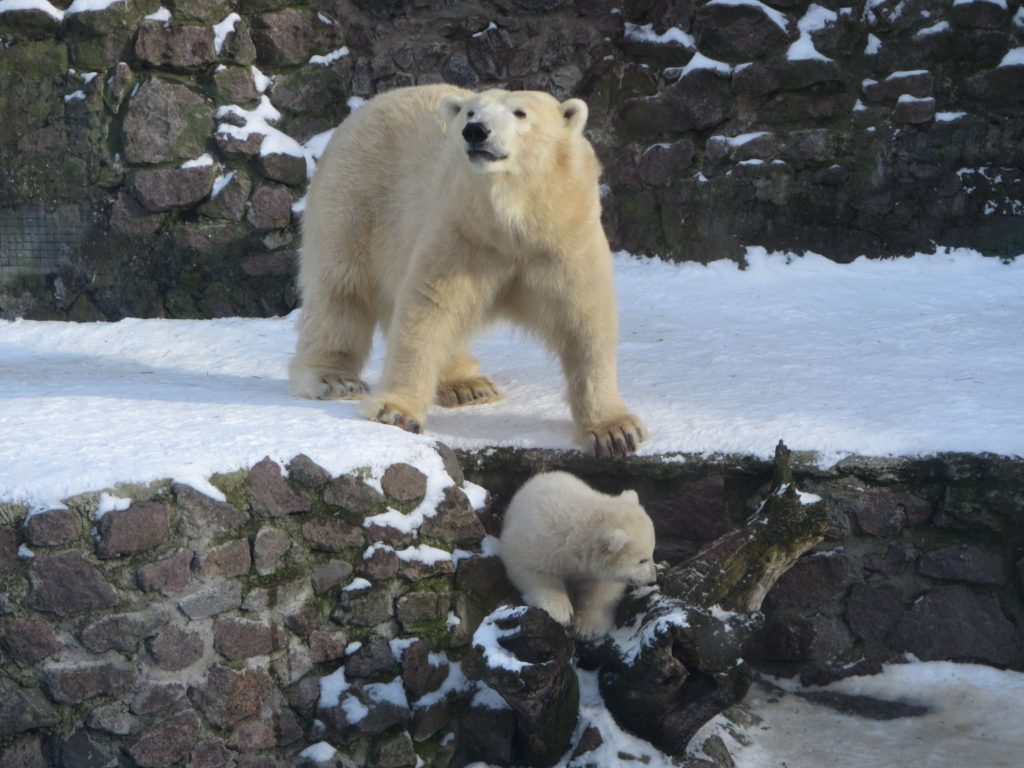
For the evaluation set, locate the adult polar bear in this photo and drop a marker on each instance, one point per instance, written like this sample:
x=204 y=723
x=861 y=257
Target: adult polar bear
x=436 y=210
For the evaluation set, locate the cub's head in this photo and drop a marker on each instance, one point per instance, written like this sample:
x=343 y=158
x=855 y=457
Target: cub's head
x=513 y=132
x=627 y=550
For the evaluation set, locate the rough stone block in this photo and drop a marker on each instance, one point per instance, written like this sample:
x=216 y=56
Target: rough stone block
x=202 y=515
x=175 y=47
x=165 y=121
x=419 y=607
x=75 y=683
x=954 y=623
x=909 y=109
x=885 y=513
x=174 y=648
x=422 y=671
x=167 y=742
x=237 y=639
x=403 y=482
x=268 y=491
x=306 y=473
x=661 y=163
x=332 y=534
x=382 y=564
x=52 y=528
x=326 y=576
x=269 y=546
x=873 y=611
x=28 y=640
x=122 y=632
x=741 y=32
x=140 y=528
x=66 y=584
x=23 y=709
x=364 y=607
x=232 y=558
x=166 y=576
x=212 y=599
x=814 y=583
x=287 y=169
x=965 y=563
x=353 y=495
x=151 y=698
x=227 y=697
x=289 y=36
x=373 y=658
x=454 y=521
x=166 y=189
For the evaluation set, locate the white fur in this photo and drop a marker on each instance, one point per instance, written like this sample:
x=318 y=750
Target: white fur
x=572 y=551
x=403 y=228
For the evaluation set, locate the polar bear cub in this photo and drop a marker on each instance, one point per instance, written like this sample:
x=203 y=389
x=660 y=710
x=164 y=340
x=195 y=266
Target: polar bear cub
x=572 y=551
x=436 y=211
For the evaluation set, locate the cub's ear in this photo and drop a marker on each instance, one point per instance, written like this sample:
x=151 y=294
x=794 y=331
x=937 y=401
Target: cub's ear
x=450 y=107
x=630 y=495
x=614 y=540
x=575 y=113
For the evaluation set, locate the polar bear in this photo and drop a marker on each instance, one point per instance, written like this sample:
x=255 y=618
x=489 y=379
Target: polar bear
x=572 y=551
x=435 y=211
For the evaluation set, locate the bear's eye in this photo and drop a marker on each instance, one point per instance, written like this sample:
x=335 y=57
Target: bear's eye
x=470 y=113
x=520 y=114
x=645 y=561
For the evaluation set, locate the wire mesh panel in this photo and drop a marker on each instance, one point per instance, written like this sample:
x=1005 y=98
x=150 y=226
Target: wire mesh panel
x=36 y=240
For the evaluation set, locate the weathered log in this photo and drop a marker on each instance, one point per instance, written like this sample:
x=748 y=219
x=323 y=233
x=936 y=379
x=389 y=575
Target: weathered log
x=738 y=569
x=526 y=656
x=674 y=661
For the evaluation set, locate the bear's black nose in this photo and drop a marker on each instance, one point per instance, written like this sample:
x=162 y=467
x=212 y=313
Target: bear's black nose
x=475 y=133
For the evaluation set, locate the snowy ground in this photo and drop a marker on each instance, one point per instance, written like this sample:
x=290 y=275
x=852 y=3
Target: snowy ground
x=905 y=356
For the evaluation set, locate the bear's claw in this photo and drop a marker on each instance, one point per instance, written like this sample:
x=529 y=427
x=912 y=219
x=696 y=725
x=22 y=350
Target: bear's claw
x=394 y=416
x=340 y=387
x=619 y=437
x=473 y=391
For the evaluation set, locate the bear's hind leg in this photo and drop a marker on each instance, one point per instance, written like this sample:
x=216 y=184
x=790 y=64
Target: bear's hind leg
x=463 y=384
x=335 y=334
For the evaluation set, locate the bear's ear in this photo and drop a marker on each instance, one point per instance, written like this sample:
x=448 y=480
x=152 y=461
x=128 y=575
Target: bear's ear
x=614 y=540
x=450 y=107
x=575 y=113
x=630 y=495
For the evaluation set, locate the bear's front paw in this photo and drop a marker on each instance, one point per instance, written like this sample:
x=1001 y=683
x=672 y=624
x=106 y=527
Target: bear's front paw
x=336 y=386
x=618 y=437
x=476 y=390
x=389 y=413
x=590 y=625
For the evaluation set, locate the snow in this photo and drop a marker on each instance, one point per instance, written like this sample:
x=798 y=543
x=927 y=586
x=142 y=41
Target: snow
x=948 y=117
x=1018 y=18
x=89 y=6
x=1013 y=58
x=160 y=14
x=331 y=688
x=74 y=96
x=1000 y=3
x=202 y=161
x=25 y=552
x=973 y=718
x=476 y=494
x=672 y=36
x=906 y=98
x=110 y=503
x=423 y=553
x=220 y=183
x=905 y=356
x=327 y=58
x=630 y=641
x=356 y=584
x=321 y=752
x=873 y=46
x=259 y=80
x=700 y=61
x=488 y=634
x=934 y=29
x=488 y=698
x=259 y=120
x=776 y=16
x=222 y=29
x=354 y=103
x=491 y=26
x=455 y=682
x=7 y=6
x=814 y=19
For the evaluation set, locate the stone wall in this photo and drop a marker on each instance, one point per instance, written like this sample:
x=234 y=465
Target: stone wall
x=720 y=124
x=183 y=630
x=156 y=626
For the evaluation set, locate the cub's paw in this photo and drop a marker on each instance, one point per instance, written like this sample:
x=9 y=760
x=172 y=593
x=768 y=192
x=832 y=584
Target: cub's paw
x=557 y=607
x=389 y=413
x=472 y=391
x=618 y=437
x=591 y=625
